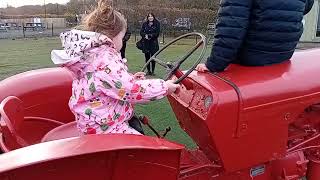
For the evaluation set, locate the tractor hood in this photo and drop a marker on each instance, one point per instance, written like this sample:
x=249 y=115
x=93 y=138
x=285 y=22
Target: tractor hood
x=248 y=109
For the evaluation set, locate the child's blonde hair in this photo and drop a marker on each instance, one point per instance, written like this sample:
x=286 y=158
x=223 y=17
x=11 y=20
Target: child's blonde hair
x=105 y=20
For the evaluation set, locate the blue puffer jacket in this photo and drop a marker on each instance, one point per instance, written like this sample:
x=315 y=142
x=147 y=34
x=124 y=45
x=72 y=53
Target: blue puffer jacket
x=257 y=32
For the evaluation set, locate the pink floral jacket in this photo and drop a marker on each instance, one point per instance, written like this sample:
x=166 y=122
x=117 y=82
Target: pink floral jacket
x=103 y=93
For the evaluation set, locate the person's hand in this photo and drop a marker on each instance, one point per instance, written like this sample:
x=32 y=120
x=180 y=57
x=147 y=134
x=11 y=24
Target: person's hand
x=147 y=37
x=202 y=68
x=171 y=86
x=139 y=76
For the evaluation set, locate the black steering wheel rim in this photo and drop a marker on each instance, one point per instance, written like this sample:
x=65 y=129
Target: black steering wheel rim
x=174 y=67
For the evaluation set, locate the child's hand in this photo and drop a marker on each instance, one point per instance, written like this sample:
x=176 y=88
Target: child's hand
x=139 y=76
x=171 y=86
x=202 y=68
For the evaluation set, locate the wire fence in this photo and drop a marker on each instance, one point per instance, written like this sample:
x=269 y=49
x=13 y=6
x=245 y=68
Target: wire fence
x=38 y=30
x=30 y=31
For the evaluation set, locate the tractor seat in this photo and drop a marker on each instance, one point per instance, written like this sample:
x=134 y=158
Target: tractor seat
x=62 y=132
x=18 y=131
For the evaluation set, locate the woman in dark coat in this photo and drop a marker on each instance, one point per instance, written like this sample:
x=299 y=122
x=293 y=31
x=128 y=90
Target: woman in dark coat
x=150 y=32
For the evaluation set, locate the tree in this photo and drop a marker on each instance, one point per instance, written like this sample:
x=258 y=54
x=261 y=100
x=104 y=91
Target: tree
x=57 y=9
x=80 y=6
x=73 y=7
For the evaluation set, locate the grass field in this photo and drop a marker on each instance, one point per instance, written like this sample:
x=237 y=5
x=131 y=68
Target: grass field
x=26 y=54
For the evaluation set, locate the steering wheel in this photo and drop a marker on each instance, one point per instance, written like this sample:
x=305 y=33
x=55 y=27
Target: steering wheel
x=173 y=68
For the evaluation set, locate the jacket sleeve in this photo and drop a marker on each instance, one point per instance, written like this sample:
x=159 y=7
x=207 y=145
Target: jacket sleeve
x=309 y=5
x=156 y=34
x=115 y=81
x=231 y=29
x=142 y=31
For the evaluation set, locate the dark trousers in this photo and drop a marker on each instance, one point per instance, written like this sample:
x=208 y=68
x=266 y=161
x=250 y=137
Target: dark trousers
x=123 y=50
x=152 y=65
x=135 y=123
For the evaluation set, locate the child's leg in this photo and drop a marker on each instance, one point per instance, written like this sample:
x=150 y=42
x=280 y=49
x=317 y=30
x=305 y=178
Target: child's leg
x=135 y=123
x=122 y=128
x=87 y=127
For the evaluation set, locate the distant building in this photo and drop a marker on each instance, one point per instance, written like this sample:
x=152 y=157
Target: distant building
x=36 y=20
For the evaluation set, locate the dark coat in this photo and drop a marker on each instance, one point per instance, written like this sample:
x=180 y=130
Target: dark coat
x=257 y=32
x=150 y=45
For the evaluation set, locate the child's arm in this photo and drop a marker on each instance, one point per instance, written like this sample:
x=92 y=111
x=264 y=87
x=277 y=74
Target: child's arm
x=119 y=84
x=148 y=90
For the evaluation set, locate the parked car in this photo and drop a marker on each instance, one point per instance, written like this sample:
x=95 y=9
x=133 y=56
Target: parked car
x=34 y=26
x=3 y=27
x=12 y=26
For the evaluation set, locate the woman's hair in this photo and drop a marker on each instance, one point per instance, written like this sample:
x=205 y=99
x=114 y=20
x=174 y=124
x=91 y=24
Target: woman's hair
x=154 y=17
x=105 y=20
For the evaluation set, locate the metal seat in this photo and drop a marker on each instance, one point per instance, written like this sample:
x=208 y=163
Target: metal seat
x=15 y=128
x=62 y=132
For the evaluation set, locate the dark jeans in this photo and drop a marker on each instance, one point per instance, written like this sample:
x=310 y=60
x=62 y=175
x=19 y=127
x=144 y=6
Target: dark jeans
x=151 y=67
x=135 y=123
x=123 y=50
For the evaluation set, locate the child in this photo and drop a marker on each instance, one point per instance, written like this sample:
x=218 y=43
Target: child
x=103 y=93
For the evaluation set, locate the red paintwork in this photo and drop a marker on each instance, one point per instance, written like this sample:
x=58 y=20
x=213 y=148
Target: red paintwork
x=253 y=114
x=186 y=82
x=65 y=131
x=45 y=93
x=97 y=157
x=16 y=128
x=263 y=124
x=313 y=169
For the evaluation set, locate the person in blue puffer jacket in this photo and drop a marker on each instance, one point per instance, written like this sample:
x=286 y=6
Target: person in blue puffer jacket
x=256 y=32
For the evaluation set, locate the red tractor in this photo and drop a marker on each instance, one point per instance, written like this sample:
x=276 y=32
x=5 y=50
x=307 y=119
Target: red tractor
x=258 y=123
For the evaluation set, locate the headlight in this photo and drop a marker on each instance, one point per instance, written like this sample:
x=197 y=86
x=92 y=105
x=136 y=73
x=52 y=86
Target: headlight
x=208 y=101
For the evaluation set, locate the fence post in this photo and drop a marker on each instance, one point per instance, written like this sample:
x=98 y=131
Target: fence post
x=163 y=38
x=196 y=36
x=23 y=31
x=52 y=29
x=135 y=36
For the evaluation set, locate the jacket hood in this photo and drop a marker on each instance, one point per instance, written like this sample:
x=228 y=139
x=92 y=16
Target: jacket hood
x=76 y=43
x=78 y=47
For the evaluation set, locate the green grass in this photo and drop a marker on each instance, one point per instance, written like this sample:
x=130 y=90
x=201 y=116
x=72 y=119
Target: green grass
x=18 y=56
x=22 y=55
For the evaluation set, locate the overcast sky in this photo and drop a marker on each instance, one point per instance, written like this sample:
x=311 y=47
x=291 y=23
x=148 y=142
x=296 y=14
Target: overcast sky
x=17 y=3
